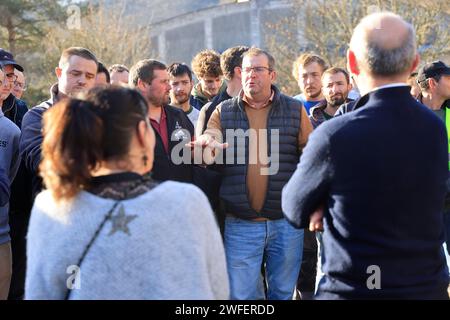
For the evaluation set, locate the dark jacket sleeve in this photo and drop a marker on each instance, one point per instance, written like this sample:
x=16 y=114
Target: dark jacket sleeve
x=4 y=188
x=447 y=197
x=309 y=185
x=22 y=109
x=31 y=138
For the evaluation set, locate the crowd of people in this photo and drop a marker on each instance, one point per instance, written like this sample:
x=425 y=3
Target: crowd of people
x=141 y=183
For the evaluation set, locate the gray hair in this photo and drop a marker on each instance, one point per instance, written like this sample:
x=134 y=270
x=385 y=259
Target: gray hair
x=387 y=62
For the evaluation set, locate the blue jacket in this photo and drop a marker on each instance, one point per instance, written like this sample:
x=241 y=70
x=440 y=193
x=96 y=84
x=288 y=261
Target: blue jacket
x=31 y=139
x=381 y=173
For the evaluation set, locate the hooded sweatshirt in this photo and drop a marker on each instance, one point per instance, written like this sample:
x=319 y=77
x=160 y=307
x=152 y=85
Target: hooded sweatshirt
x=9 y=163
x=4 y=187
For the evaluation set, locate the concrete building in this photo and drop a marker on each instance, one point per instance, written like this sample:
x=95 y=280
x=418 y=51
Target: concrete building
x=181 y=28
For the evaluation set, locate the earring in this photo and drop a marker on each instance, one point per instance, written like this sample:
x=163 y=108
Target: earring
x=145 y=159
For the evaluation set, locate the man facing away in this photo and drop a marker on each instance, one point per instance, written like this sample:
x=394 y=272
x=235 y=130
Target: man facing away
x=380 y=172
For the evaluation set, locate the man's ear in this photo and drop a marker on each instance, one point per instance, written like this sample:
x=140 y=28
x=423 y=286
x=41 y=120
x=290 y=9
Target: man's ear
x=141 y=132
x=352 y=64
x=141 y=84
x=415 y=63
x=431 y=83
x=238 y=72
x=273 y=76
x=58 y=72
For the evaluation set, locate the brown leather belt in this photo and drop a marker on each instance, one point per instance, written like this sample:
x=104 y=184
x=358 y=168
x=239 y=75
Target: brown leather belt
x=259 y=219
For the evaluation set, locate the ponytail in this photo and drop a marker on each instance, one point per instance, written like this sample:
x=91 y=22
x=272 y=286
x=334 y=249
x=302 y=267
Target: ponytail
x=72 y=147
x=80 y=134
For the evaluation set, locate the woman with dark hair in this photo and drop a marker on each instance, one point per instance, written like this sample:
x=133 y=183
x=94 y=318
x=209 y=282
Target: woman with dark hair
x=104 y=229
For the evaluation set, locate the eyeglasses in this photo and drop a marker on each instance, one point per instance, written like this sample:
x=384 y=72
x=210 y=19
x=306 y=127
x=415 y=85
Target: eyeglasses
x=11 y=77
x=256 y=69
x=20 y=85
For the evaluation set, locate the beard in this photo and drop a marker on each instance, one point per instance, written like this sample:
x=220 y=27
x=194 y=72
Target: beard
x=337 y=100
x=180 y=99
x=159 y=101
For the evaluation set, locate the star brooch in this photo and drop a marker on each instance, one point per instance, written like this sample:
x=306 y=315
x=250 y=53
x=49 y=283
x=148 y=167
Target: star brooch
x=120 y=222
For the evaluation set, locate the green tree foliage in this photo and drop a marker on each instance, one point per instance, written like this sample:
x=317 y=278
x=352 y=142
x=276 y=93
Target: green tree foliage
x=325 y=27
x=43 y=28
x=24 y=21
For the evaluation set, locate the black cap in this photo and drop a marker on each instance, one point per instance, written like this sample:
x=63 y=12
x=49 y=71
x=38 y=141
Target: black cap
x=7 y=58
x=432 y=69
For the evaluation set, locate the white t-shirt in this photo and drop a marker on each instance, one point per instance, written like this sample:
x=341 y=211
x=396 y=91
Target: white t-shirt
x=193 y=115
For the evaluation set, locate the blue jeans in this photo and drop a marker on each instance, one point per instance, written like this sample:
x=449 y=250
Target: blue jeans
x=248 y=244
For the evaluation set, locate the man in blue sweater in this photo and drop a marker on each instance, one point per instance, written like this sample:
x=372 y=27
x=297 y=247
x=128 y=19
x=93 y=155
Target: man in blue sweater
x=380 y=174
x=4 y=187
x=9 y=163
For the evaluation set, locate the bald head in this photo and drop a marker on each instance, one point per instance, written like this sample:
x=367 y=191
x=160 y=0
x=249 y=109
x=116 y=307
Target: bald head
x=384 y=44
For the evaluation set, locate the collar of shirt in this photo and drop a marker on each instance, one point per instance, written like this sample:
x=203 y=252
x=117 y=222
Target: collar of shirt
x=161 y=129
x=390 y=85
x=268 y=102
x=162 y=118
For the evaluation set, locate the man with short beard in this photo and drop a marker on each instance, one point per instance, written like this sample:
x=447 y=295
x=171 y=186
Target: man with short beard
x=335 y=88
x=180 y=79
x=171 y=125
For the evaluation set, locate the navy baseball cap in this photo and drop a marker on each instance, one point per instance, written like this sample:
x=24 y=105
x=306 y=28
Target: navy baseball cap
x=433 y=69
x=7 y=58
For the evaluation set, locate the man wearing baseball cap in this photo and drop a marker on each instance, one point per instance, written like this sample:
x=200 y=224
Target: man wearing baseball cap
x=14 y=109
x=434 y=83
x=8 y=59
x=20 y=200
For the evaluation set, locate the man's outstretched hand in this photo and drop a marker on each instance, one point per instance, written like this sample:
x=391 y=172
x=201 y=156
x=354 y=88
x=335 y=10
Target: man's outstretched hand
x=207 y=141
x=209 y=148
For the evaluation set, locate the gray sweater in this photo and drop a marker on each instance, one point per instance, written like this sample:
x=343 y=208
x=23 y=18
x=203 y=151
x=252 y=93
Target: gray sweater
x=173 y=249
x=9 y=163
